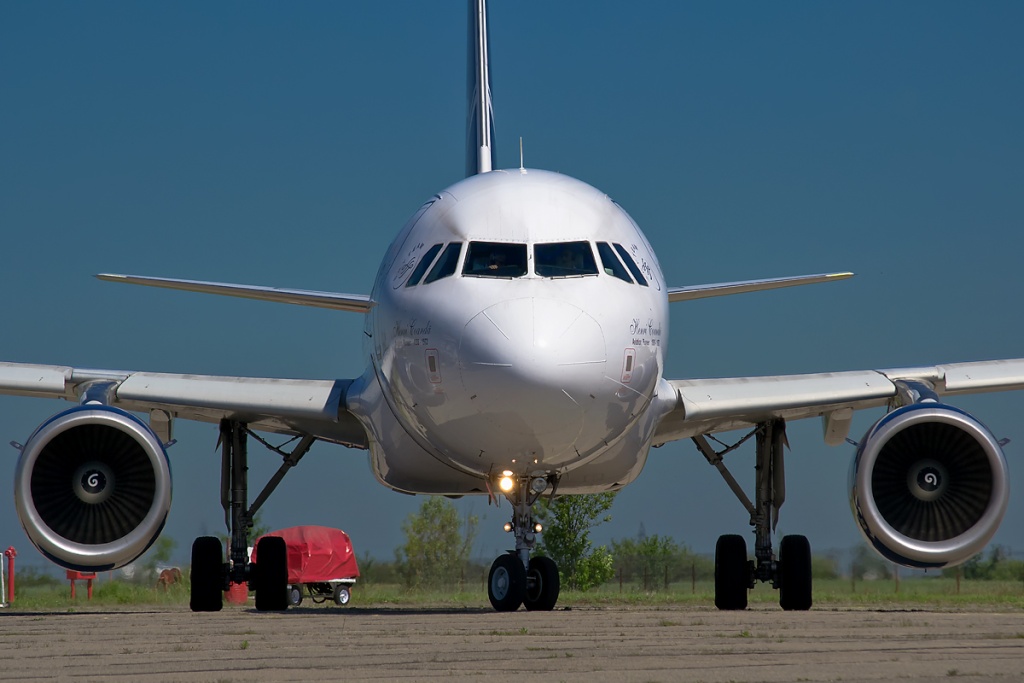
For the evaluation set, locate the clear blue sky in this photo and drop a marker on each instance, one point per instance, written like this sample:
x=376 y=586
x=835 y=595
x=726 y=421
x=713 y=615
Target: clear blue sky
x=285 y=144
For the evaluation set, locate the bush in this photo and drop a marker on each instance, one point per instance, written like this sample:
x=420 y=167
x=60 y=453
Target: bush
x=566 y=538
x=997 y=566
x=34 y=577
x=650 y=560
x=824 y=567
x=436 y=549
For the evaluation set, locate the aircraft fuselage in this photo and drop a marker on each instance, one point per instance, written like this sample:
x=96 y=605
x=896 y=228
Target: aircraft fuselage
x=520 y=325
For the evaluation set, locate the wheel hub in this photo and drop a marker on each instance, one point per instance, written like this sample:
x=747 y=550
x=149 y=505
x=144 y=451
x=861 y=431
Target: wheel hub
x=500 y=583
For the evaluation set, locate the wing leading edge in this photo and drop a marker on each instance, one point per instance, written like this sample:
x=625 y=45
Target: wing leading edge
x=356 y=303
x=744 y=286
x=288 y=406
x=702 y=406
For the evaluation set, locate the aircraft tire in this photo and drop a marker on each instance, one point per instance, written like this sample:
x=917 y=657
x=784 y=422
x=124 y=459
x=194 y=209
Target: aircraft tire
x=295 y=595
x=342 y=595
x=795 y=573
x=731 y=573
x=542 y=584
x=272 y=575
x=206 y=575
x=506 y=583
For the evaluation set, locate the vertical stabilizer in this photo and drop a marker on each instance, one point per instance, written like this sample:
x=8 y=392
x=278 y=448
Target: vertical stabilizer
x=479 y=122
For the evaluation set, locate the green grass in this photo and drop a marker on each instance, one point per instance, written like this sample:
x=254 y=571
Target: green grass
x=105 y=592
x=927 y=593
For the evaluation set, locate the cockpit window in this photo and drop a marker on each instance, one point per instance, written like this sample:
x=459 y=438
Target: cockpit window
x=564 y=259
x=445 y=265
x=495 y=259
x=610 y=262
x=422 y=266
x=631 y=264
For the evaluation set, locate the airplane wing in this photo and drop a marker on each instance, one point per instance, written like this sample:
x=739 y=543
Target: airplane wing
x=703 y=406
x=356 y=303
x=287 y=406
x=744 y=286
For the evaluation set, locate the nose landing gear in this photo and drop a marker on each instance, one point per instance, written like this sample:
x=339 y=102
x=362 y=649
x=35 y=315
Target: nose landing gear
x=515 y=579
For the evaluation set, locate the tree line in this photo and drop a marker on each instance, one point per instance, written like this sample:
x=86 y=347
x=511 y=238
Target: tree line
x=438 y=546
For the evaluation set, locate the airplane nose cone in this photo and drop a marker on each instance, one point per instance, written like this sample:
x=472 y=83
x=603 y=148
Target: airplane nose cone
x=533 y=368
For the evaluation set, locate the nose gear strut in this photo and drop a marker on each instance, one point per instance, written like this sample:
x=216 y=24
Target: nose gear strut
x=515 y=579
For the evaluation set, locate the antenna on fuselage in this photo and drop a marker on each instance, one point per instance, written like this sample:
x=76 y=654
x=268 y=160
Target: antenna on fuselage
x=521 y=167
x=480 y=126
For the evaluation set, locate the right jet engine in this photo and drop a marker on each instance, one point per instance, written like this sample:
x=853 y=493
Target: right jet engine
x=928 y=486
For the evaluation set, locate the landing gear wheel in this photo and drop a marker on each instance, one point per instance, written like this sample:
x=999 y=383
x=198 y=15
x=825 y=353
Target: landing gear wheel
x=295 y=595
x=272 y=575
x=342 y=595
x=795 y=573
x=542 y=584
x=732 y=573
x=506 y=584
x=207 y=575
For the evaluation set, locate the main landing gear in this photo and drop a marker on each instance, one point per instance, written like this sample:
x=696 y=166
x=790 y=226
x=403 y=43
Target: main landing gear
x=790 y=573
x=211 y=575
x=515 y=578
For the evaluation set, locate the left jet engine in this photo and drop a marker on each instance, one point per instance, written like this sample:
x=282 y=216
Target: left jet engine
x=93 y=488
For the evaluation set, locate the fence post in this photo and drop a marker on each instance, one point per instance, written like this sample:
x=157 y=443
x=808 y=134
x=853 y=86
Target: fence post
x=693 y=578
x=666 y=576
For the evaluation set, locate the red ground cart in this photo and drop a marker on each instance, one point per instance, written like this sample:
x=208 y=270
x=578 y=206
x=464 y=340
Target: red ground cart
x=321 y=563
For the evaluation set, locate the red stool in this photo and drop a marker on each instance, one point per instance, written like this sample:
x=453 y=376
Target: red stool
x=81 y=576
x=238 y=593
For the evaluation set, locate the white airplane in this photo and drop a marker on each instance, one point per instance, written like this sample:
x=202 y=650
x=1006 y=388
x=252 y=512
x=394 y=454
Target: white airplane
x=515 y=338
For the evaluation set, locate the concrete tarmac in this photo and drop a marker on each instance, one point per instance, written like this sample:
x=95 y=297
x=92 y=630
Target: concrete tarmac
x=579 y=644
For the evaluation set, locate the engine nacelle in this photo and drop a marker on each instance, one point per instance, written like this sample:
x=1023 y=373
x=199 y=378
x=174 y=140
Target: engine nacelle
x=928 y=486
x=93 y=488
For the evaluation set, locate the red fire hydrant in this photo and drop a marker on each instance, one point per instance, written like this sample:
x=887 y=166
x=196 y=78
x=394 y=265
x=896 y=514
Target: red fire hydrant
x=10 y=554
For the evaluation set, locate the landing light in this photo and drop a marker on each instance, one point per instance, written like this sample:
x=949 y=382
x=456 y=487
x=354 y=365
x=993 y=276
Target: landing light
x=506 y=483
x=508 y=526
x=538 y=485
x=538 y=527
